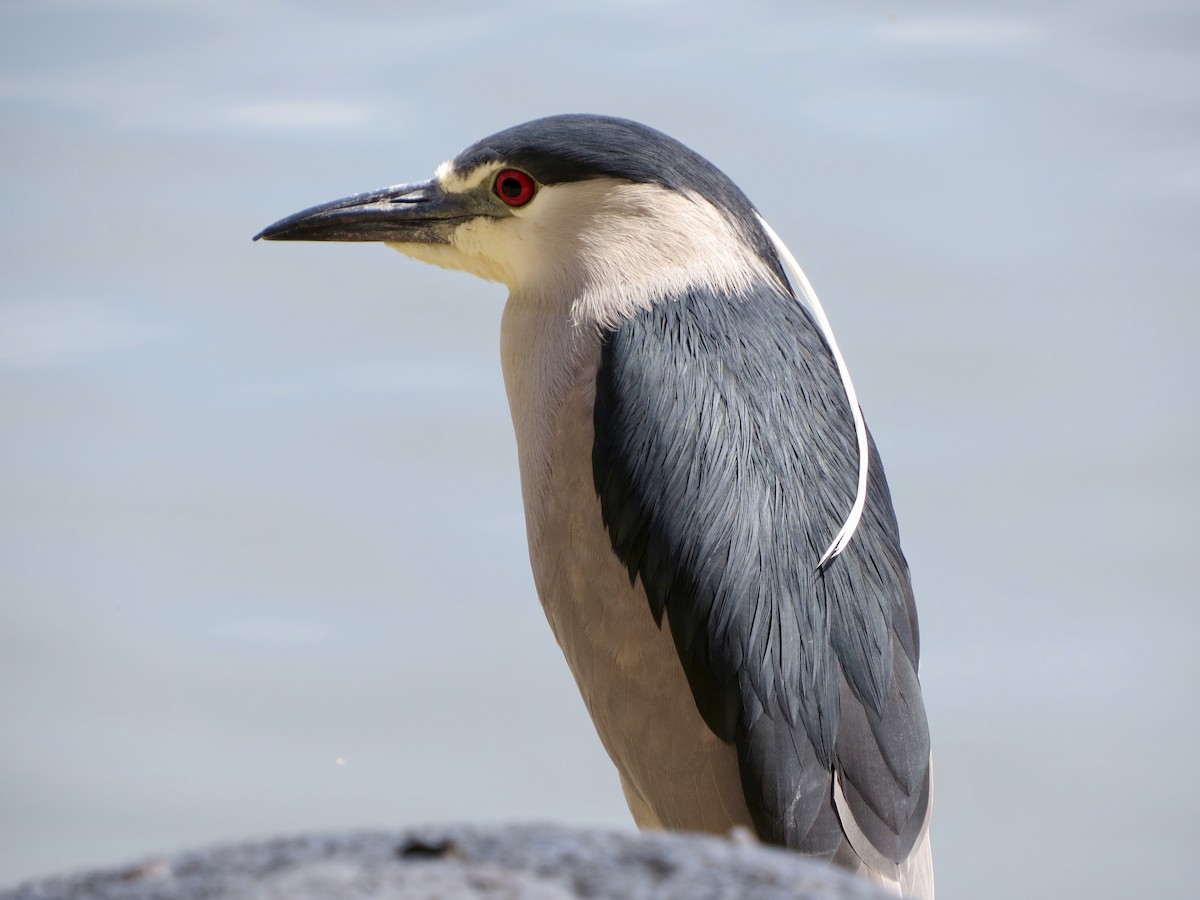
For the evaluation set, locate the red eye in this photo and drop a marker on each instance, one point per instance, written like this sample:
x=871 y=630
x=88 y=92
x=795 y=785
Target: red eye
x=514 y=187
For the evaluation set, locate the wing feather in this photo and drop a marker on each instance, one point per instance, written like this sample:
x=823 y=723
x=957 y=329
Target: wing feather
x=725 y=457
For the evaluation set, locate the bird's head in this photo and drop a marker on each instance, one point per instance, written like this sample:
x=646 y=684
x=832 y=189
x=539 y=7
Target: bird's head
x=601 y=213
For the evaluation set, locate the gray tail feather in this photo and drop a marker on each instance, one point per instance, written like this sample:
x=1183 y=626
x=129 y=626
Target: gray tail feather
x=911 y=877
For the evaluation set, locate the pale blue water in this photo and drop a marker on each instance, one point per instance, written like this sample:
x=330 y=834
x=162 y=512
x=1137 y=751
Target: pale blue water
x=259 y=507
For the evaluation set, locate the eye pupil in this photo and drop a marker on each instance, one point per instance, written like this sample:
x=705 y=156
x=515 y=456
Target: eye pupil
x=514 y=187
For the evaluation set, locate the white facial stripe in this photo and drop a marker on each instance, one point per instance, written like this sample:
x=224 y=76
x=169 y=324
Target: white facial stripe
x=453 y=183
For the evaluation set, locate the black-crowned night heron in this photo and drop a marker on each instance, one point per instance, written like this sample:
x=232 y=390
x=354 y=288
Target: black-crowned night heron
x=709 y=524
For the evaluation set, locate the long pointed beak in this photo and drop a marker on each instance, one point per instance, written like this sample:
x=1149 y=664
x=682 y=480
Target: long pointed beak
x=405 y=213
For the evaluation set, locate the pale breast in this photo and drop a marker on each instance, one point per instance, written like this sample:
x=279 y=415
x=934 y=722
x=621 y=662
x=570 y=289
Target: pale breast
x=625 y=666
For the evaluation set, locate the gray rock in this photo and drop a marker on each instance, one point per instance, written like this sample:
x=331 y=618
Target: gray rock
x=494 y=863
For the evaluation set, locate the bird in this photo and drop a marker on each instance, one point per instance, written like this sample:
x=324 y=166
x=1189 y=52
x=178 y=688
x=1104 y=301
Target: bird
x=710 y=529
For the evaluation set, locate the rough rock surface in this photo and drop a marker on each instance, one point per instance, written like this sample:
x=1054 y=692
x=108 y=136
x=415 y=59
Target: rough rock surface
x=476 y=863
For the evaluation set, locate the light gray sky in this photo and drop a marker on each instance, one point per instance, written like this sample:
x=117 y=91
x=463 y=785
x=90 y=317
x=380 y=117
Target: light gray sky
x=259 y=508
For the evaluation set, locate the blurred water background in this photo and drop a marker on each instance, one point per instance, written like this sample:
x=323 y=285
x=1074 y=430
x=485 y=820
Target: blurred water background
x=262 y=563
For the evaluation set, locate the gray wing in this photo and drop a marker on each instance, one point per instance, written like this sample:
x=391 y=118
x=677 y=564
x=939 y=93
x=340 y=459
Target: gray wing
x=725 y=460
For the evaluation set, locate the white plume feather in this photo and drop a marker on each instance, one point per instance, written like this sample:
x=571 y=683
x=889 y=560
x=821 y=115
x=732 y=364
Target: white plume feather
x=804 y=290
